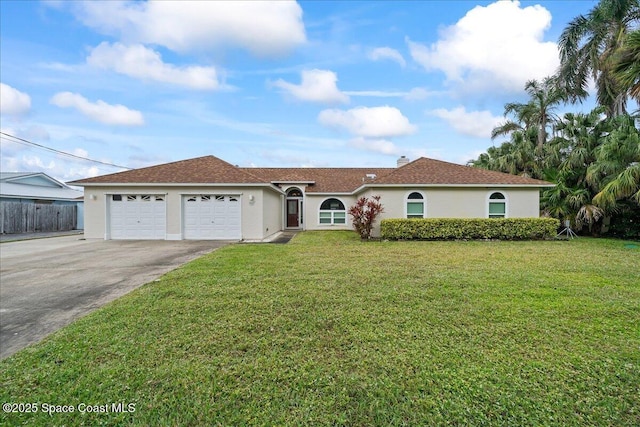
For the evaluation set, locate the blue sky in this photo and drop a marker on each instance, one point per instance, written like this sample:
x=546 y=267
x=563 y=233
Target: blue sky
x=313 y=83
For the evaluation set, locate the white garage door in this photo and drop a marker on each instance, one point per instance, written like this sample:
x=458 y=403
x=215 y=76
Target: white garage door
x=138 y=216
x=212 y=217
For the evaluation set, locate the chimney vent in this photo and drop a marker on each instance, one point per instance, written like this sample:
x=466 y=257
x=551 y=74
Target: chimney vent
x=403 y=160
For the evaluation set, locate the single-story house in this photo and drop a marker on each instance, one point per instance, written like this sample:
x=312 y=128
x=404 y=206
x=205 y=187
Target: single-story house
x=39 y=188
x=208 y=198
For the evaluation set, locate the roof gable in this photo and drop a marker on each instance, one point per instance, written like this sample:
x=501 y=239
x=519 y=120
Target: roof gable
x=35 y=185
x=424 y=171
x=39 y=179
x=201 y=170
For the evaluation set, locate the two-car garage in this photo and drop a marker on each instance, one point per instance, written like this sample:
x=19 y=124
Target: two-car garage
x=204 y=216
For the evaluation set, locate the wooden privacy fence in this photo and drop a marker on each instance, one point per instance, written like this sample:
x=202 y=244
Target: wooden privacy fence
x=31 y=217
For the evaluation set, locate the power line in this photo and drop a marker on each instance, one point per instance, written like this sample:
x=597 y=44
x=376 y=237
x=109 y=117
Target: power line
x=64 y=153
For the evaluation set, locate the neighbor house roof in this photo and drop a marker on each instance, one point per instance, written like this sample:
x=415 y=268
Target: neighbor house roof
x=35 y=185
x=212 y=170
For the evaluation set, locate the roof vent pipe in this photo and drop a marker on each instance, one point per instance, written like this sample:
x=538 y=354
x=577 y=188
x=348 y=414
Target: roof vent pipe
x=403 y=160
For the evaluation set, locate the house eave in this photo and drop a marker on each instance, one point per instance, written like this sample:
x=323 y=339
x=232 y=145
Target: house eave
x=171 y=184
x=176 y=184
x=294 y=182
x=483 y=185
x=329 y=193
x=409 y=185
x=62 y=199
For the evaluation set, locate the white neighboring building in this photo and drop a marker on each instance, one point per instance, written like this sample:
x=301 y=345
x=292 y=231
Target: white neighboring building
x=40 y=188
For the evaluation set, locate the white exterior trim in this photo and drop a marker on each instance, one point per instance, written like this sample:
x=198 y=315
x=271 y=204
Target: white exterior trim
x=294 y=183
x=414 y=185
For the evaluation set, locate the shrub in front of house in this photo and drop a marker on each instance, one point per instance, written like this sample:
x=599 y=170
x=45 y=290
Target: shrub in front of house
x=364 y=214
x=469 y=228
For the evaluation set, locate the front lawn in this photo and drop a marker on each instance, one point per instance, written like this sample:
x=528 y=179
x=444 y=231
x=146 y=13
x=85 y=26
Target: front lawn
x=328 y=330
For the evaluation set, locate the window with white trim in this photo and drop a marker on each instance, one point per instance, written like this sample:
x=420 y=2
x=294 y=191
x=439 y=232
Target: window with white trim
x=497 y=205
x=415 y=205
x=332 y=211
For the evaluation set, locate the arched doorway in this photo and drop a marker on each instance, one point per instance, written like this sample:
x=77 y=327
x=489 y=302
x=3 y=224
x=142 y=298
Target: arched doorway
x=294 y=217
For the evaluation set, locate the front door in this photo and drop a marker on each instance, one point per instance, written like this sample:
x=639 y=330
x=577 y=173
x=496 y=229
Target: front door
x=293 y=213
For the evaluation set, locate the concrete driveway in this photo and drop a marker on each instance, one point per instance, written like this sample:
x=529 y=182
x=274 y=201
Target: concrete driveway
x=45 y=284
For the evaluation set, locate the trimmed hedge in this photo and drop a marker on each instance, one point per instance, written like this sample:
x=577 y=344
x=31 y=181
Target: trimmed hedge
x=469 y=228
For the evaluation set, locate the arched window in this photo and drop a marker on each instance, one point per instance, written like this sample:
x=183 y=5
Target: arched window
x=497 y=205
x=415 y=205
x=332 y=211
x=294 y=192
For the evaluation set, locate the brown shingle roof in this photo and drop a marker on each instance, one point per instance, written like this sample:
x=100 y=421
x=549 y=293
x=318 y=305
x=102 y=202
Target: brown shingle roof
x=325 y=180
x=201 y=170
x=436 y=172
x=212 y=170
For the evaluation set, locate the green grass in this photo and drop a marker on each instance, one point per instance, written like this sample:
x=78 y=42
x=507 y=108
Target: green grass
x=328 y=330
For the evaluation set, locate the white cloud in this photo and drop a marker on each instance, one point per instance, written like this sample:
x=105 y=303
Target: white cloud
x=316 y=86
x=12 y=101
x=497 y=46
x=381 y=53
x=369 y=122
x=99 y=111
x=31 y=132
x=473 y=123
x=81 y=152
x=143 y=63
x=376 y=93
x=58 y=168
x=376 y=145
x=417 y=94
x=263 y=28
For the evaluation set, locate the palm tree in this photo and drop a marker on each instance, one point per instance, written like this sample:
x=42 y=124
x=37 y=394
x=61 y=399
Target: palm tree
x=579 y=136
x=627 y=69
x=517 y=157
x=589 y=46
x=569 y=201
x=538 y=113
x=566 y=163
x=528 y=132
x=617 y=166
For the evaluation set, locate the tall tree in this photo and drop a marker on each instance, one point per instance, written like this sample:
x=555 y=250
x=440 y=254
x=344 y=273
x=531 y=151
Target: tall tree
x=538 y=112
x=517 y=156
x=627 y=69
x=589 y=47
x=566 y=163
x=617 y=166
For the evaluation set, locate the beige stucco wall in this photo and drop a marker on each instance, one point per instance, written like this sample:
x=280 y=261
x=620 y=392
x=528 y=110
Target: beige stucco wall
x=254 y=220
x=264 y=215
x=455 y=202
x=452 y=202
x=272 y=213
